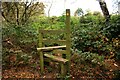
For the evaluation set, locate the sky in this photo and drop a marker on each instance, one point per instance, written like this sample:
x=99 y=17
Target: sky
x=59 y=6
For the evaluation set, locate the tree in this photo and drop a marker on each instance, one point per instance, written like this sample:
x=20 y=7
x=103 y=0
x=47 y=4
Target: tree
x=119 y=7
x=50 y=8
x=78 y=12
x=0 y=11
x=104 y=9
x=20 y=12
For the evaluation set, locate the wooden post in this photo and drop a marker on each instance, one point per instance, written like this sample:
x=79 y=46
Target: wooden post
x=40 y=52
x=68 y=43
x=63 y=71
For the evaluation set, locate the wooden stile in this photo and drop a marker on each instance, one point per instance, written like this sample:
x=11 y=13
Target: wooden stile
x=64 y=49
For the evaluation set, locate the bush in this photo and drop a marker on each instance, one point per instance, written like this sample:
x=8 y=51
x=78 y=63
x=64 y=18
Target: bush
x=114 y=27
x=89 y=58
x=90 y=39
x=88 y=36
x=20 y=34
x=22 y=37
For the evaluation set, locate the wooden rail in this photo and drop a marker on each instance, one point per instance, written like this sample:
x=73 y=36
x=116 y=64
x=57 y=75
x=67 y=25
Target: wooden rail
x=52 y=31
x=59 y=51
x=54 y=41
x=49 y=48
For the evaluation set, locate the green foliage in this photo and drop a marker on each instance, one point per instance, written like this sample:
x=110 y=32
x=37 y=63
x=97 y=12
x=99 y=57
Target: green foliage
x=78 y=12
x=94 y=18
x=67 y=77
x=16 y=38
x=114 y=27
x=40 y=21
x=20 y=34
x=113 y=33
x=117 y=74
x=91 y=58
x=74 y=21
x=88 y=36
x=5 y=54
x=24 y=58
x=11 y=58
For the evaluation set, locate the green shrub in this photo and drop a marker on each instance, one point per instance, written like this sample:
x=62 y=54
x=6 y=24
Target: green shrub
x=20 y=34
x=115 y=26
x=87 y=36
x=23 y=37
x=89 y=58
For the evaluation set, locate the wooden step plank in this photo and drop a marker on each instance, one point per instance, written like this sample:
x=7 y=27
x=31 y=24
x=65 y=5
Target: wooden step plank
x=59 y=51
x=51 y=31
x=55 y=58
x=51 y=48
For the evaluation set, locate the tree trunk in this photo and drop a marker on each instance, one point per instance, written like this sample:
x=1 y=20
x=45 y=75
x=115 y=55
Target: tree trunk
x=104 y=9
x=17 y=13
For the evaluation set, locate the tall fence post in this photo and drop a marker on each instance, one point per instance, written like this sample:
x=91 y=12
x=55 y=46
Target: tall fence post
x=40 y=52
x=68 y=43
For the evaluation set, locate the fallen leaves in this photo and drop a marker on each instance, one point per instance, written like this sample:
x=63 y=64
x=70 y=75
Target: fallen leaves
x=82 y=71
x=20 y=73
